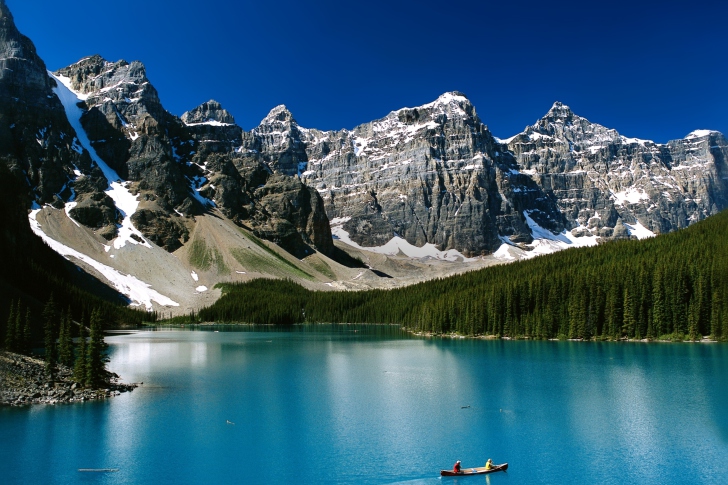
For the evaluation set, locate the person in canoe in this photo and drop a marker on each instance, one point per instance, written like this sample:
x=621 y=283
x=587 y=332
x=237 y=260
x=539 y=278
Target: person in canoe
x=489 y=464
x=456 y=467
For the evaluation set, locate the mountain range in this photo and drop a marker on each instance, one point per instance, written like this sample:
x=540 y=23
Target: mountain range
x=161 y=207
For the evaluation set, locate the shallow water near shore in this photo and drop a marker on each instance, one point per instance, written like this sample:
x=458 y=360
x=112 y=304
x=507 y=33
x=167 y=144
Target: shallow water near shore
x=350 y=404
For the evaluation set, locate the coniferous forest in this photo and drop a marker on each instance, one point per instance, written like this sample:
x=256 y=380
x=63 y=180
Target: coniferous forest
x=669 y=287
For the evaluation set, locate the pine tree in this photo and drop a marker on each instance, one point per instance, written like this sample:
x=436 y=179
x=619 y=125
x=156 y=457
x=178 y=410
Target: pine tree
x=79 y=368
x=716 y=312
x=693 y=319
x=65 y=342
x=96 y=361
x=10 y=330
x=50 y=315
x=27 y=340
x=659 y=319
x=628 y=321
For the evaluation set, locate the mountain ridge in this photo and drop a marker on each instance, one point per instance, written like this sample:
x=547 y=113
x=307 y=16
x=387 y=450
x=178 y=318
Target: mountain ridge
x=431 y=177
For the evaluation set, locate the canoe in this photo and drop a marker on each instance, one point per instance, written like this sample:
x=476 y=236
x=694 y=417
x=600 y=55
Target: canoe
x=474 y=471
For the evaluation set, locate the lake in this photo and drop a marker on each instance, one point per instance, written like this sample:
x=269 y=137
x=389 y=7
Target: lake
x=349 y=404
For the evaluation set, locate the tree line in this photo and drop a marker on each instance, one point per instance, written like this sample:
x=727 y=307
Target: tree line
x=669 y=287
x=87 y=358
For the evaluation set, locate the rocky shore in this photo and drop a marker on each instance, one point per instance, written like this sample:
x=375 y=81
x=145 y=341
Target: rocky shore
x=23 y=381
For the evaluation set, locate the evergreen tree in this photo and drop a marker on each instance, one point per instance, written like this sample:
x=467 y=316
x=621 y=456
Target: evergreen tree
x=65 y=342
x=10 y=340
x=693 y=318
x=628 y=320
x=79 y=368
x=659 y=318
x=27 y=340
x=95 y=360
x=50 y=314
x=716 y=312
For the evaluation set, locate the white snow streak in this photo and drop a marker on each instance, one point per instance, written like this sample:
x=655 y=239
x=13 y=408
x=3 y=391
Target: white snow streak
x=125 y=202
x=139 y=292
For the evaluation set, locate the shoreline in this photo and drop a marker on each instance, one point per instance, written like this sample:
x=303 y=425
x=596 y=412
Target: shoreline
x=452 y=335
x=23 y=381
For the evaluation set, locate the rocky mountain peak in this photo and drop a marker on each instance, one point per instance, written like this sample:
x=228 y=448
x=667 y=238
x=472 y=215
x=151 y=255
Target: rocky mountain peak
x=210 y=112
x=36 y=141
x=453 y=105
x=5 y=12
x=279 y=114
x=96 y=77
x=565 y=126
x=560 y=112
x=18 y=54
x=452 y=97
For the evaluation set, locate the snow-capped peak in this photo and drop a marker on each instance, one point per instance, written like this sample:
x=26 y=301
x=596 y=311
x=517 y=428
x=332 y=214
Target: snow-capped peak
x=700 y=134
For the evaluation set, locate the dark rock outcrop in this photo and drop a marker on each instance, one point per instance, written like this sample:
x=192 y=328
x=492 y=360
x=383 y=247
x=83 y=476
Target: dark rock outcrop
x=210 y=112
x=37 y=143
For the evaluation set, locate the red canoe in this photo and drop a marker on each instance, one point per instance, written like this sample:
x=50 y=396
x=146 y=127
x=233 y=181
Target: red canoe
x=474 y=471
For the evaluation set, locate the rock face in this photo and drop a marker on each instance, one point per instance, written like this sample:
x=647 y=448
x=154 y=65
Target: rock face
x=211 y=113
x=37 y=143
x=435 y=174
x=182 y=167
x=432 y=174
x=600 y=177
x=130 y=130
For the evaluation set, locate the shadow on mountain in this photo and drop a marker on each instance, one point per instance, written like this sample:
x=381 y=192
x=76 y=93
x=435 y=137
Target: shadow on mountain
x=381 y=274
x=346 y=259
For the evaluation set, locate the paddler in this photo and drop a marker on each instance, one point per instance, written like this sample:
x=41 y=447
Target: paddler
x=456 y=467
x=489 y=464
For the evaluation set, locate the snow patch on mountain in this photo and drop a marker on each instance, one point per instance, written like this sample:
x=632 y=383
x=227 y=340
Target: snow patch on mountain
x=398 y=245
x=546 y=242
x=118 y=190
x=639 y=231
x=209 y=123
x=700 y=134
x=139 y=292
x=632 y=195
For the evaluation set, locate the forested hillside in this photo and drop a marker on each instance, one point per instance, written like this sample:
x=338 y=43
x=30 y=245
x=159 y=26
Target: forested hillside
x=672 y=286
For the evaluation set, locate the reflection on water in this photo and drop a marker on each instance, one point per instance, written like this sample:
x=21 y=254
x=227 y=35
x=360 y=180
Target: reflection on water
x=372 y=404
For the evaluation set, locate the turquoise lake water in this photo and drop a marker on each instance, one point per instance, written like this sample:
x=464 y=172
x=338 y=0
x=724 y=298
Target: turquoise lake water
x=372 y=405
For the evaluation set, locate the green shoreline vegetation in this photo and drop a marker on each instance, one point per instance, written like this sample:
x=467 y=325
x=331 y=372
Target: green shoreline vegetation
x=671 y=287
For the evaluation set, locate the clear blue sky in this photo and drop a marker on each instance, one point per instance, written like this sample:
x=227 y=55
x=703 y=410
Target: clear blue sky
x=655 y=70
